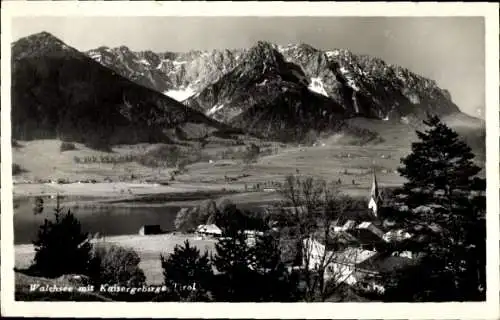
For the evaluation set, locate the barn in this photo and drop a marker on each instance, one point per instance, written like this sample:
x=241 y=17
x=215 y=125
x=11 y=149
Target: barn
x=150 y=229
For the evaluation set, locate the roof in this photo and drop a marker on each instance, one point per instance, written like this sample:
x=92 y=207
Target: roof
x=364 y=225
x=342 y=236
x=366 y=236
x=151 y=226
x=352 y=255
x=210 y=228
x=350 y=224
x=384 y=264
x=367 y=225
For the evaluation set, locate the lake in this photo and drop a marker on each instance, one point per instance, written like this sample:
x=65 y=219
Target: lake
x=108 y=219
x=105 y=219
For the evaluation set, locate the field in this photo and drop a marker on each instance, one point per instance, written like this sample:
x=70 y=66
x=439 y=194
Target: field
x=327 y=160
x=149 y=249
x=331 y=157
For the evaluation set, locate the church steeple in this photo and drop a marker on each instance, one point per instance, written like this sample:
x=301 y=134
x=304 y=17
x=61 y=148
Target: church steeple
x=374 y=196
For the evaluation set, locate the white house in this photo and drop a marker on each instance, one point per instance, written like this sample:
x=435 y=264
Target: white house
x=339 y=266
x=396 y=235
x=251 y=236
x=210 y=229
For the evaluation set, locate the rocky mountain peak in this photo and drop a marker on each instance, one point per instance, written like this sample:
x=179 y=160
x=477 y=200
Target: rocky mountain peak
x=363 y=85
x=42 y=43
x=264 y=52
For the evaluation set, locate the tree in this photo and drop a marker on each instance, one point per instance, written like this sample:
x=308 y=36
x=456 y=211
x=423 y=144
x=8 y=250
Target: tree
x=450 y=198
x=250 y=271
x=276 y=283
x=252 y=153
x=112 y=264
x=311 y=208
x=67 y=146
x=311 y=137
x=187 y=274
x=233 y=259
x=17 y=169
x=61 y=247
x=187 y=219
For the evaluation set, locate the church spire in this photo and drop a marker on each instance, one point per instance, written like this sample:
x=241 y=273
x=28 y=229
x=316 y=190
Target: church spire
x=374 y=195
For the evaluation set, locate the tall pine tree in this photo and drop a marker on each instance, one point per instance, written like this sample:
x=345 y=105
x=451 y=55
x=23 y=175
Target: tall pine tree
x=187 y=273
x=443 y=193
x=61 y=246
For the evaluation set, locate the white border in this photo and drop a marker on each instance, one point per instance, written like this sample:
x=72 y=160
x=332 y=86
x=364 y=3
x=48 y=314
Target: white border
x=488 y=310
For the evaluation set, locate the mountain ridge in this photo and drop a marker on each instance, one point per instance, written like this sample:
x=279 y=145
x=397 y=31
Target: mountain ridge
x=58 y=91
x=352 y=70
x=270 y=90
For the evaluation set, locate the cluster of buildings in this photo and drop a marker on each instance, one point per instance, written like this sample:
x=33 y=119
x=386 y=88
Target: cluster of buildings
x=349 y=253
x=349 y=250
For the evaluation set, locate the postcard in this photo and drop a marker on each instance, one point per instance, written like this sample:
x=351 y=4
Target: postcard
x=250 y=160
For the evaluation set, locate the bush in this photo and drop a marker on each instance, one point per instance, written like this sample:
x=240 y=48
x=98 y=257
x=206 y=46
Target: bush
x=113 y=264
x=252 y=153
x=67 y=146
x=16 y=169
x=15 y=144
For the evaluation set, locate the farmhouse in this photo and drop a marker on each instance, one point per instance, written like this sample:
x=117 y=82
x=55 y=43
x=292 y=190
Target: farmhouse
x=209 y=230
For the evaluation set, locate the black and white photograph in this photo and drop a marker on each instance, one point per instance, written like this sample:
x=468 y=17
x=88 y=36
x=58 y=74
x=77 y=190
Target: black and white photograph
x=279 y=159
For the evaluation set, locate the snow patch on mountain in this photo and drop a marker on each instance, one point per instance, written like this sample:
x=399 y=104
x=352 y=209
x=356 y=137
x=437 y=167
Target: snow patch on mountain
x=180 y=94
x=352 y=84
x=144 y=61
x=95 y=55
x=263 y=83
x=316 y=85
x=214 y=109
x=332 y=53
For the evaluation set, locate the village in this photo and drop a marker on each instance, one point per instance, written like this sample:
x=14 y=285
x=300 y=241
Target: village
x=351 y=252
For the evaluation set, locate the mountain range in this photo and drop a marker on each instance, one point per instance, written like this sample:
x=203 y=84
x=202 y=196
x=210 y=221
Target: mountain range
x=269 y=90
x=58 y=91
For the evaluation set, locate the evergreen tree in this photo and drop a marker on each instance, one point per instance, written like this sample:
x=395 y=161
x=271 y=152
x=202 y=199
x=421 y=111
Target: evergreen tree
x=276 y=283
x=233 y=260
x=187 y=273
x=444 y=194
x=251 y=272
x=61 y=247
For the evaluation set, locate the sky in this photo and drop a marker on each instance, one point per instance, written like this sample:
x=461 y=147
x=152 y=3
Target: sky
x=450 y=50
